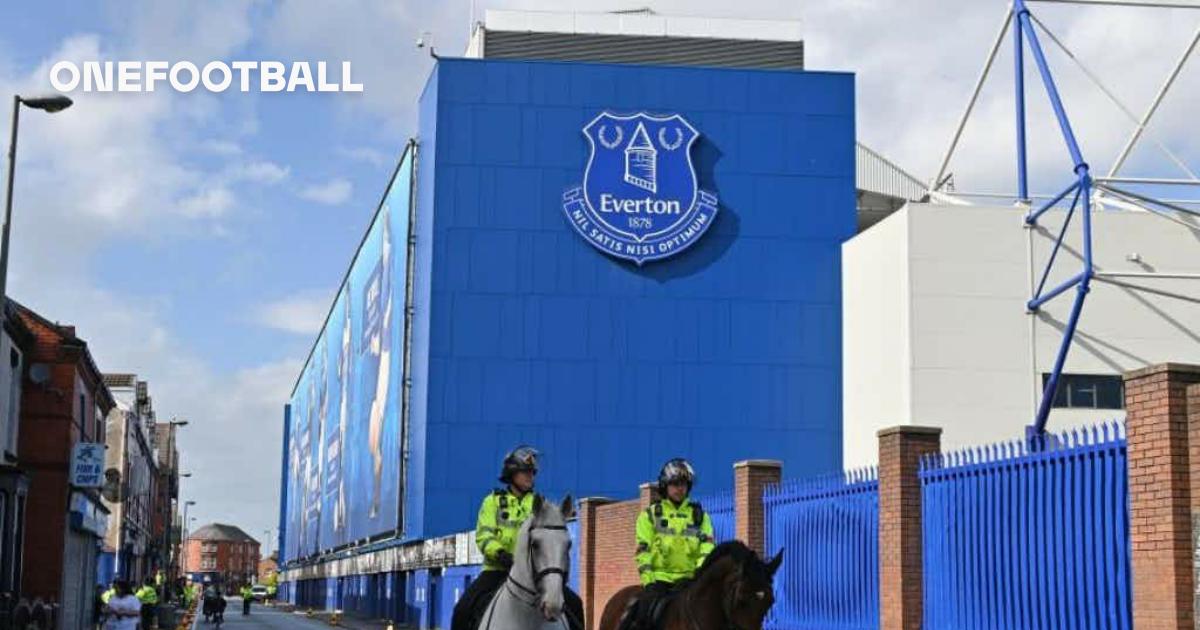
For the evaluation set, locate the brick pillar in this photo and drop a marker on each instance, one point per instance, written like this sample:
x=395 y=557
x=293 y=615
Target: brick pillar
x=750 y=477
x=900 y=568
x=1160 y=504
x=587 y=556
x=647 y=492
x=1193 y=420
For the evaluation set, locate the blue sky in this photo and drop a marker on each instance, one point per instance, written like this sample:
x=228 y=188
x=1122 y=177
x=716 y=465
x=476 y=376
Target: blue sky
x=197 y=239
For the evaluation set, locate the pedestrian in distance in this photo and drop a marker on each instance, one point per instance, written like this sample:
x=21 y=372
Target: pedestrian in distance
x=124 y=609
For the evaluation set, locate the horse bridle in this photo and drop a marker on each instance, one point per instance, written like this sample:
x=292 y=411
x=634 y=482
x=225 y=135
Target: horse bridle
x=538 y=576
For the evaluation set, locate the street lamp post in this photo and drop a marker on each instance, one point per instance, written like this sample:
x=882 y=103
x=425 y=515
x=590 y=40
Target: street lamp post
x=183 y=535
x=170 y=549
x=50 y=105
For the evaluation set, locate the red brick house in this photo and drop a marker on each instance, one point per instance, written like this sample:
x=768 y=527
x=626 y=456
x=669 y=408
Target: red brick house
x=63 y=402
x=222 y=554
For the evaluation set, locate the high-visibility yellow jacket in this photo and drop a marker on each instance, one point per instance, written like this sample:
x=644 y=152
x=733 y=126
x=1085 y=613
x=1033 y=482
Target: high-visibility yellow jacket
x=500 y=518
x=147 y=595
x=672 y=541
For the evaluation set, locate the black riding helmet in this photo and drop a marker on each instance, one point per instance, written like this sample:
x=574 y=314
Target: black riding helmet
x=677 y=469
x=523 y=458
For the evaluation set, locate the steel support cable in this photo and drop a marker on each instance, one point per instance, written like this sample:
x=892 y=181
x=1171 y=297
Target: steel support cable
x=1128 y=203
x=937 y=180
x=1113 y=97
x=1120 y=192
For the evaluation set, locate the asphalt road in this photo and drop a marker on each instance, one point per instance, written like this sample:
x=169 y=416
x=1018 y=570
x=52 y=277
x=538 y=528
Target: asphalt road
x=260 y=617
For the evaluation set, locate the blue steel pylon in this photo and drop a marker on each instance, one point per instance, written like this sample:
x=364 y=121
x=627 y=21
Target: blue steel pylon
x=1081 y=187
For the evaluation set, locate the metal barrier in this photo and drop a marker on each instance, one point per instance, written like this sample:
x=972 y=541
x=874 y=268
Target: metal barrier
x=573 y=531
x=1019 y=536
x=828 y=528
x=719 y=507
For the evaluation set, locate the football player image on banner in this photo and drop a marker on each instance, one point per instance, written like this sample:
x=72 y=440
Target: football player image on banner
x=377 y=343
x=333 y=525
x=344 y=454
x=317 y=412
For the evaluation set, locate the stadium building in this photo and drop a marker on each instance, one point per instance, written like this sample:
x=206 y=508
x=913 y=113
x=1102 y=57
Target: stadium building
x=628 y=237
x=616 y=237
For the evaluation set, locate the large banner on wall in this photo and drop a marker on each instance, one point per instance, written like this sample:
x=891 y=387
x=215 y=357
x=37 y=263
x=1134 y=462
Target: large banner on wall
x=344 y=456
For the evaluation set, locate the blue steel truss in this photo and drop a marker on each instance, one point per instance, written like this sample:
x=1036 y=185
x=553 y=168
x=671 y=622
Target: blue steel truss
x=1024 y=34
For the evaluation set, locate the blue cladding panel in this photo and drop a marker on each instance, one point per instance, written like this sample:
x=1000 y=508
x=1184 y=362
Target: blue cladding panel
x=454 y=582
x=418 y=599
x=526 y=333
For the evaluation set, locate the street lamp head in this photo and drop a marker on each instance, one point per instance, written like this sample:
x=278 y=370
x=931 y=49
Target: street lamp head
x=185 y=475
x=190 y=503
x=48 y=104
x=179 y=423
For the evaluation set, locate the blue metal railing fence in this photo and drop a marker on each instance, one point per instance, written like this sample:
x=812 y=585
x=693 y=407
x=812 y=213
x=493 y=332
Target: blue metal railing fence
x=829 y=530
x=1022 y=535
x=719 y=507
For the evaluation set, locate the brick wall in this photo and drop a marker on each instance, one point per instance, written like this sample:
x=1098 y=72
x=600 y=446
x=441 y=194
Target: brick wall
x=612 y=544
x=1193 y=420
x=1160 y=495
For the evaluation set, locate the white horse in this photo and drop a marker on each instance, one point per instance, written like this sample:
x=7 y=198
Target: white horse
x=532 y=597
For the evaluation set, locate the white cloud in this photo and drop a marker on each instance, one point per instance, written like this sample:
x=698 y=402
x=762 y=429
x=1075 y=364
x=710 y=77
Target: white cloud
x=333 y=192
x=262 y=172
x=116 y=166
x=210 y=202
x=221 y=147
x=366 y=155
x=302 y=313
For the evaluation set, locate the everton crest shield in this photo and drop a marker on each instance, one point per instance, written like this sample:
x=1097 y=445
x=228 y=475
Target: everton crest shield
x=640 y=199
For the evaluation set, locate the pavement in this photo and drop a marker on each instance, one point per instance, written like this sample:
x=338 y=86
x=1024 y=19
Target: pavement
x=262 y=617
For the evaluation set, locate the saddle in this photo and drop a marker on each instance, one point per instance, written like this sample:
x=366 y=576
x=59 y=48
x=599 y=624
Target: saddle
x=646 y=612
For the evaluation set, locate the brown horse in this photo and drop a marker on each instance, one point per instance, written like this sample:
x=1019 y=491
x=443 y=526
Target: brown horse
x=732 y=589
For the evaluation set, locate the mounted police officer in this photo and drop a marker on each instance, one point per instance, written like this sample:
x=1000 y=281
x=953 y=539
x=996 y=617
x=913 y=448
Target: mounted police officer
x=500 y=518
x=674 y=536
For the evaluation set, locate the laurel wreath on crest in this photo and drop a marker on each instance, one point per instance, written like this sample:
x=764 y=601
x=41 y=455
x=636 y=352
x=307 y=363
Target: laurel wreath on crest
x=607 y=143
x=670 y=146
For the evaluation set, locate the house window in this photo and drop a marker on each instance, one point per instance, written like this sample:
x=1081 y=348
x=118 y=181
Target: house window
x=1088 y=391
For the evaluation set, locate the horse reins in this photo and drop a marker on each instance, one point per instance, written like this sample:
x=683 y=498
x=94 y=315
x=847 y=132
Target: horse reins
x=538 y=576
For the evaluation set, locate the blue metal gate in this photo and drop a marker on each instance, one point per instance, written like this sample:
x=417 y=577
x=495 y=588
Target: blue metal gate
x=1028 y=538
x=829 y=531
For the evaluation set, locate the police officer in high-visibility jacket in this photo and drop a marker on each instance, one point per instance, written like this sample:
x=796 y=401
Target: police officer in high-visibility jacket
x=247 y=597
x=148 y=596
x=674 y=536
x=501 y=515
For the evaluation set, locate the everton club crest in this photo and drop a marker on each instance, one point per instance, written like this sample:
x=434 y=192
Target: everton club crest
x=640 y=199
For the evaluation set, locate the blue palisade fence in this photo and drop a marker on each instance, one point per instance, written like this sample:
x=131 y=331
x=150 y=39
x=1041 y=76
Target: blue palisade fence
x=1019 y=537
x=829 y=530
x=719 y=507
